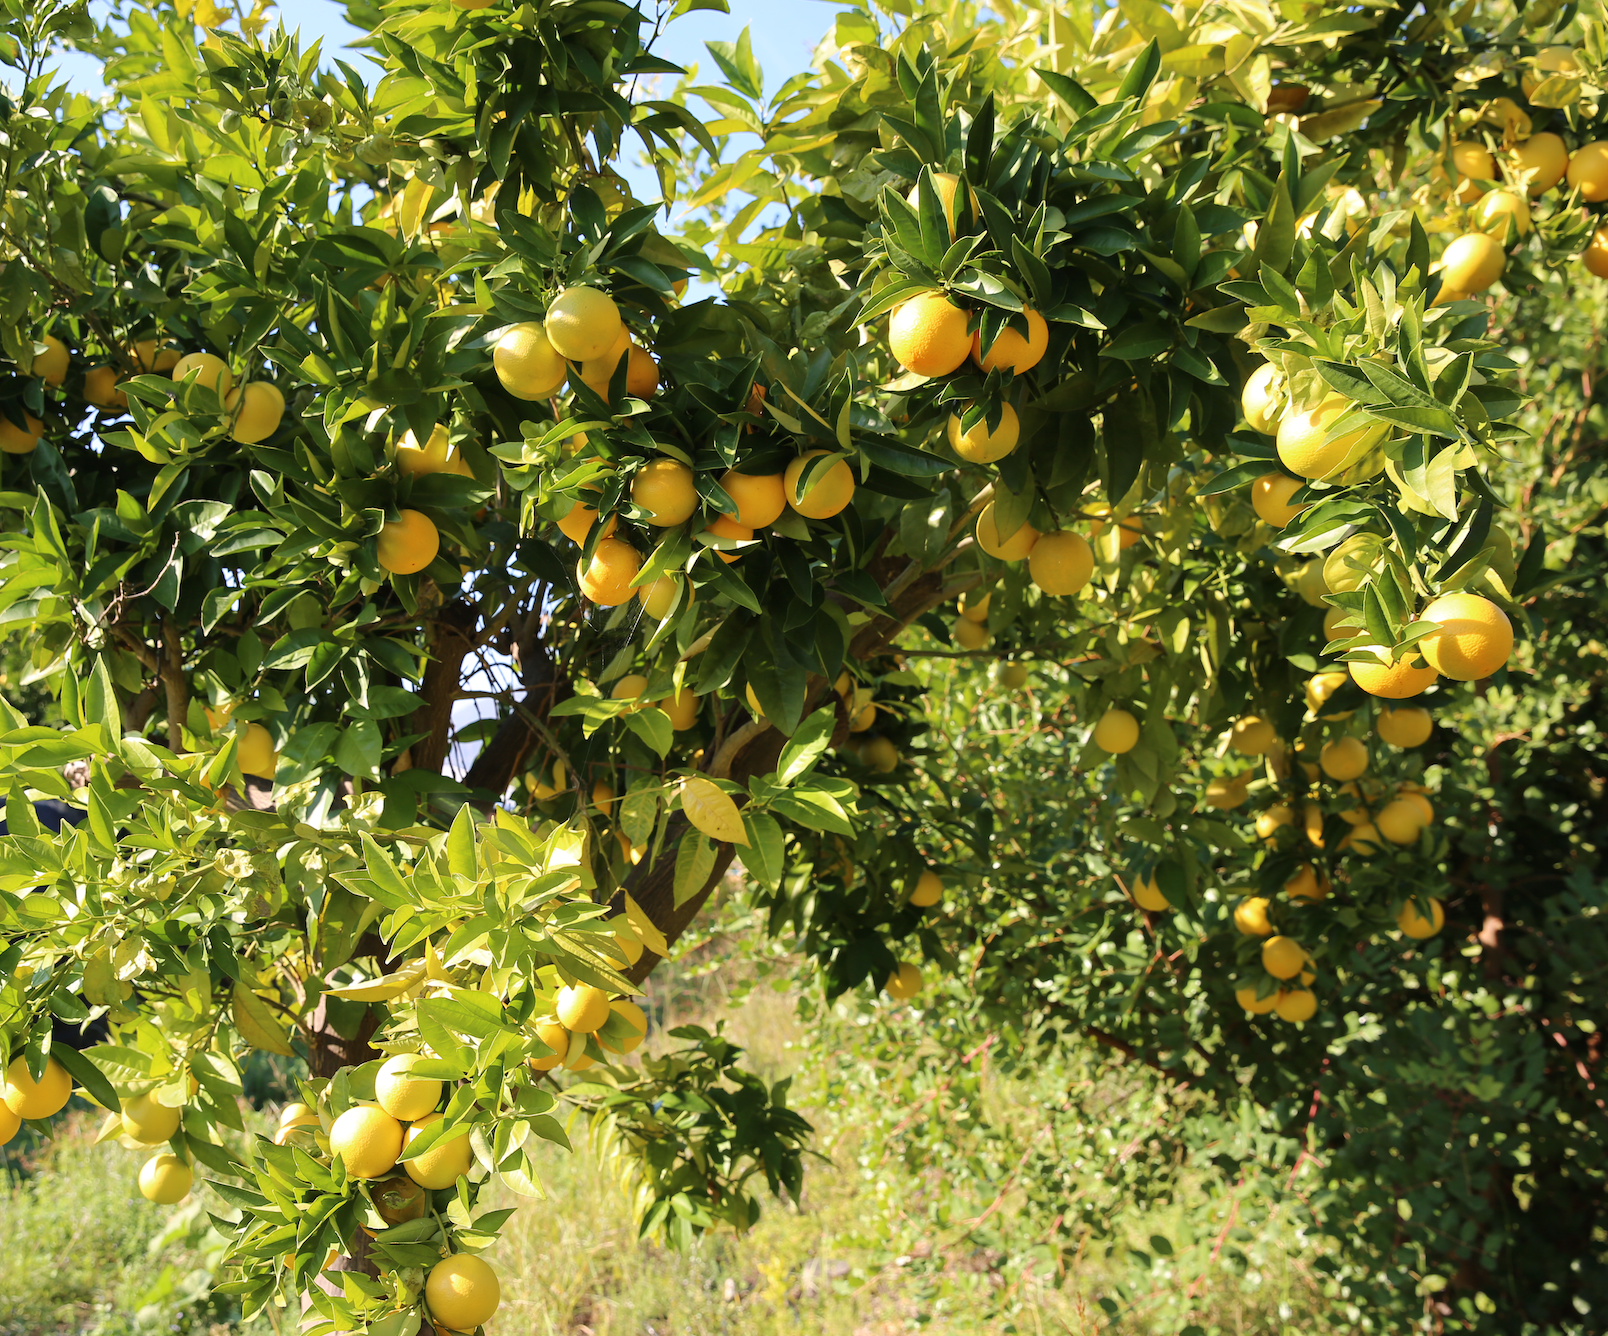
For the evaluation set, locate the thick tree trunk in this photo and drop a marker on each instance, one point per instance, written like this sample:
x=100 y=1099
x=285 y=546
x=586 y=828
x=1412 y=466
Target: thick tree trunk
x=451 y=640
x=504 y=754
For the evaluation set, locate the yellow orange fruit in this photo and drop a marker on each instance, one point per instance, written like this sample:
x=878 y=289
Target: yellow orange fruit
x=165 y=1179
x=434 y=456
x=1270 y=498
x=1283 y=957
x=928 y=335
x=761 y=497
x=28 y=1098
x=1303 y=444
x=970 y=635
x=1018 y=546
x=1268 y=823
x=829 y=489
x=146 y=1121
x=1474 y=163
x=462 y=1292
x=1321 y=687
x=973 y=604
x=15 y=440
x=1296 y=1004
x=1252 y=735
x=443 y=1164
x=1393 y=681
x=904 y=983
x=659 y=595
x=526 y=363
x=1261 y=398
x=666 y=490
x=408 y=543
x=148 y=356
x=10 y=1124
x=582 y=1008
x=1117 y=732
x=582 y=323
x=635 y=1018
x=255 y=754
x=1595 y=255
x=1406 y=727
x=1248 y=999
x=1060 y=563
x=1250 y=916
x=1400 y=821
x=1343 y=759
x=1307 y=884
x=641 y=373
x=51 y=365
x=1147 y=894
x=928 y=891
x=1474 y=638
x=597 y=372
x=981 y=446
x=1472 y=262
x=257 y=408
x=367 y=1139
x=1499 y=209
x=100 y=388
x=400 y=1093
x=606 y=579
x=1413 y=923
x=682 y=709
x=1539 y=162
x=1011 y=352
x=213 y=372
x=557 y=1038
x=723 y=526
x=946 y=185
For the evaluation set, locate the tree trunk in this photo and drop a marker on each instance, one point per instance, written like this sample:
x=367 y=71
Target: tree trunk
x=451 y=640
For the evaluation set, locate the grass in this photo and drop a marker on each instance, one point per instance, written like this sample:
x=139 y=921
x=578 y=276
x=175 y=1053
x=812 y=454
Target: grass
x=918 y=1219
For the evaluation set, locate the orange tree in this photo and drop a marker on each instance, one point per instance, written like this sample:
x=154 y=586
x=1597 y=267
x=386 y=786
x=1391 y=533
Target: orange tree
x=331 y=402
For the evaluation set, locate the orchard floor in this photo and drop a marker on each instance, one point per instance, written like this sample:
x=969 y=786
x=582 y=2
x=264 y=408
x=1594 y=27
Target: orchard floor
x=874 y=1249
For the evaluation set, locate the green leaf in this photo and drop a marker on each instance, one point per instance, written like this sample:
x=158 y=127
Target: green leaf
x=653 y=726
x=764 y=856
x=809 y=741
x=695 y=860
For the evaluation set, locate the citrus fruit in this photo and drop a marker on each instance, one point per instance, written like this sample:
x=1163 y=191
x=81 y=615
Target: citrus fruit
x=606 y=580
x=255 y=754
x=1415 y=925
x=51 y=365
x=629 y=687
x=1247 y=998
x=1472 y=262
x=557 y=1038
x=100 y=388
x=658 y=596
x=1117 y=732
x=28 y=1098
x=682 y=708
x=526 y=363
x=213 y=372
x=146 y=1121
x=881 y=755
x=1594 y=257
x=1336 y=627
x=1547 y=62
x=1344 y=758
x=973 y=604
x=904 y=983
x=1252 y=735
x=462 y=1292
x=665 y=489
x=635 y=1018
x=1321 y=687
x=1270 y=498
x=970 y=635
x=723 y=526
x=582 y=1008
x=1261 y=398
x=15 y=440
x=1269 y=822
x=1302 y=438
x=641 y=373
x=946 y=185
x=1474 y=164
x=830 y=488
x=1400 y=821
x=1309 y=584
x=1224 y=795
x=761 y=497
x=1129 y=529
x=1499 y=208
x=291 y=1118
x=1296 y=1004
x=1250 y=916
x=1541 y=161
x=1015 y=548
x=408 y=544
x=1474 y=638
x=258 y=407
x=1060 y=563
x=1364 y=837
x=367 y=1139
x=1011 y=352
x=582 y=323
x=434 y=456
x=597 y=372
x=928 y=335
x=929 y=890
x=578 y=520
x=981 y=446
x=398 y=1198
x=1307 y=885
x=1407 y=727
x=603 y=798
x=10 y=1124
x=443 y=1164
x=1147 y=895
x=401 y=1094
x=1283 y=957
x=149 y=357
x=165 y=1179
x=1418 y=800
x=1312 y=814
x=1394 y=681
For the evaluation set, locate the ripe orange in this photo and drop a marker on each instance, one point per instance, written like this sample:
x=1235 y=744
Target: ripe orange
x=929 y=890
x=1117 y=732
x=666 y=490
x=1252 y=735
x=973 y=604
x=1501 y=207
x=1474 y=640
x=607 y=580
x=1595 y=256
x=443 y=1164
x=1060 y=563
x=51 y=365
x=1304 y=449
x=1148 y=895
x=367 y=1139
x=400 y=1093
x=577 y=521
x=970 y=635
x=928 y=336
x=658 y=596
x=1250 y=916
x=1283 y=957
x=1011 y=352
x=830 y=489
x=1474 y=164
x=1400 y=821
x=1394 y=681
x=165 y=1179
x=100 y=388
x=257 y=407
x=598 y=371
x=435 y=456
x=28 y=1098
x=582 y=1008
x=1407 y=727
x=634 y=1017
x=1247 y=998
x=1336 y=627
x=10 y=1124
x=1343 y=759
x=255 y=754
x=761 y=497
x=1540 y=160
x=1130 y=529
x=904 y=983
x=641 y=373
x=409 y=543
x=1015 y=548
x=582 y=323
x=527 y=364
x=149 y=357
x=214 y=372
x=463 y=1292
x=1296 y=1004
x=881 y=755
x=1268 y=823
x=14 y=440
x=1322 y=686
x=723 y=526
x=1588 y=172
x=947 y=187
x=1415 y=925
x=682 y=707
x=1472 y=262
x=556 y=1037
x=146 y=1121
x=1307 y=885
x=981 y=446
x=1261 y=397
x=1270 y=498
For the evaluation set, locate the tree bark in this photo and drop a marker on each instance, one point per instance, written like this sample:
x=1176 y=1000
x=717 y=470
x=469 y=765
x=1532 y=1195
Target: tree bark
x=504 y=753
x=174 y=683
x=451 y=641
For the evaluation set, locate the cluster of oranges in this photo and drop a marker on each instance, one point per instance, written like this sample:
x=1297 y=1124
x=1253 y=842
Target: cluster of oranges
x=254 y=409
